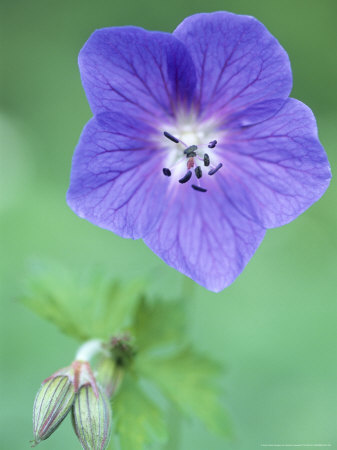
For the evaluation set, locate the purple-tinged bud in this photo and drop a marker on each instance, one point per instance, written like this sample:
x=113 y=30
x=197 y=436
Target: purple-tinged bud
x=56 y=397
x=92 y=418
x=52 y=404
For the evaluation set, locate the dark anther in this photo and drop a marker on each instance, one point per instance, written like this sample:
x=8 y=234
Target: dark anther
x=190 y=149
x=198 y=188
x=198 y=172
x=206 y=159
x=213 y=171
x=191 y=155
x=172 y=138
x=212 y=144
x=186 y=177
x=166 y=172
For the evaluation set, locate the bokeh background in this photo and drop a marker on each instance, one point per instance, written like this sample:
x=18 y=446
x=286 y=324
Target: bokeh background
x=274 y=328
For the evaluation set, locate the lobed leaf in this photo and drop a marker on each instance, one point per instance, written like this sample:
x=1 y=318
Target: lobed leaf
x=158 y=324
x=91 y=307
x=139 y=421
x=190 y=381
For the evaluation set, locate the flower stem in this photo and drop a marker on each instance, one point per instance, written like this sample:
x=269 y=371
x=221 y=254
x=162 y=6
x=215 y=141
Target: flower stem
x=90 y=349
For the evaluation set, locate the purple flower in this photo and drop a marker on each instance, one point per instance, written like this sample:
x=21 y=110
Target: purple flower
x=195 y=146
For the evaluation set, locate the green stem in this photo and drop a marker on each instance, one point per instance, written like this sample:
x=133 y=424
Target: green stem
x=175 y=419
x=90 y=349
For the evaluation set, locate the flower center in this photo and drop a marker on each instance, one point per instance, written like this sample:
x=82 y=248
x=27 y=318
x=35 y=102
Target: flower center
x=196 y=158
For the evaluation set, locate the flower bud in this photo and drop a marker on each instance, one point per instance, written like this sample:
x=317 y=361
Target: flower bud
x=92 y=419
x=105 y=371
x=52 y=404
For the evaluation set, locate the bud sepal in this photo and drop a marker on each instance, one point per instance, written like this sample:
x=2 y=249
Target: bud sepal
x=52 y=404
x=56 y=397
x=92 y=418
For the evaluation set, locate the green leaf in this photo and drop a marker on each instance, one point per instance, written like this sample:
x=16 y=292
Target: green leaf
x=86 y=307
x=139 y=421
x=158 y=324
x=190 y=381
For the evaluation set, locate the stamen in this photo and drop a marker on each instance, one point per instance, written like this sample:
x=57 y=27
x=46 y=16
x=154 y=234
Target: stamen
x=191 y=155
x=186 y=177
x=166 y=172
x=191 y=148
x=198 y=172
x=198 y=188
x=212 y=144
x=172 y=138
x=213 y=171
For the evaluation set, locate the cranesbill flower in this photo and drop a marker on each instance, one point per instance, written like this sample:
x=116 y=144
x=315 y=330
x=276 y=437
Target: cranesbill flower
x=195 y=146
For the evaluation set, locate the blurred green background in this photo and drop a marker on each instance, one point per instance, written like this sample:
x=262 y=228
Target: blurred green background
x=274 y=328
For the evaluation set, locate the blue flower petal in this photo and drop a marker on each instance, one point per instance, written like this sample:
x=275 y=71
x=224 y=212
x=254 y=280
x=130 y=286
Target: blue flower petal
x=116 y=178
x=206 y=237
x=244 y=74
x=276 y=169
x=271 y=173
x=144 y=73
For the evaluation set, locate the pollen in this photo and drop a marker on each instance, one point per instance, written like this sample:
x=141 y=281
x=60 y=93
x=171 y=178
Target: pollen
x=192 y=155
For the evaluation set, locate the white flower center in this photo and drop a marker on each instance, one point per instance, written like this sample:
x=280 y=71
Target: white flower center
x=191 y=151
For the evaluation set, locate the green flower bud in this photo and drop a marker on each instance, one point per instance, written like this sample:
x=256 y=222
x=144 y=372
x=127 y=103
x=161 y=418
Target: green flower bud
x=104 y=372
x=92 y=418
x=52 y=404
